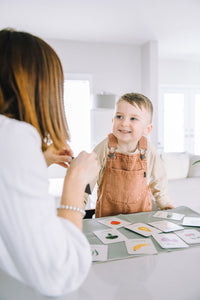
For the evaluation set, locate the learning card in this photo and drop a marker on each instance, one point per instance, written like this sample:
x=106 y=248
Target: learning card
x=190 y=236
x=166 y=226
x=109 y=236
x=142 y=229
x=169 y=240
x=140 y=246
x=191 y=221
x=99 y=252
x=113 y=222
x=168 y=215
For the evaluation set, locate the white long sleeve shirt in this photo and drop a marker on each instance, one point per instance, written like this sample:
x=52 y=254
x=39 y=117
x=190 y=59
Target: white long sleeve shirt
x=37 y=247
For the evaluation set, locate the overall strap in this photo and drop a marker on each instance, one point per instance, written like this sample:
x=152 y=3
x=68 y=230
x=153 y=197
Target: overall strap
x=112 y=141
x=142 y=146
x=112 y=144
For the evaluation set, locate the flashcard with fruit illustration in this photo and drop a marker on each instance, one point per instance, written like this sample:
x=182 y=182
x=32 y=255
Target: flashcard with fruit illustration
x=140 y=246
x=190 y=236
x=99 y=252
x=142 y=229
x=110 y=236
x=169 y=240
x=166 y=226
x=113 y=222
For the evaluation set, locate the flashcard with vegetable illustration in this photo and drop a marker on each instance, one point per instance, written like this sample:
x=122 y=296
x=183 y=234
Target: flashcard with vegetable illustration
x=109 y=236
x=169 y=240
x=190 y=236
x=113 y=222
x=168 y=215
x=140 y=246
x=142 y=229
x=99 y=252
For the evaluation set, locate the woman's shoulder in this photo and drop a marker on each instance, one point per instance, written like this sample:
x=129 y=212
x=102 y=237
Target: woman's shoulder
x=19 y=142
x=15 y=130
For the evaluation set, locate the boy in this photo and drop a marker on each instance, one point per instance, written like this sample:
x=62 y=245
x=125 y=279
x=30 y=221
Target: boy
x=131 y=168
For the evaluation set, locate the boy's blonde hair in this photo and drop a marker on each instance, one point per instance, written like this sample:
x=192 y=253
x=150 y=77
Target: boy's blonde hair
x=140 y=100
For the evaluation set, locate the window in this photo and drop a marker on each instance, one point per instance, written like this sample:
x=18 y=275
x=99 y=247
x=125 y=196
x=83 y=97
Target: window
x=77 y=102
x=179 y=121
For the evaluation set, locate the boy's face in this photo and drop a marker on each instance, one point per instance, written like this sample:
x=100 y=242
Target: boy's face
x=131 y=123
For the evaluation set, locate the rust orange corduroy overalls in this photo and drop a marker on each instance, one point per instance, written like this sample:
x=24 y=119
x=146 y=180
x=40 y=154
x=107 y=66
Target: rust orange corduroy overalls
x=124 y=187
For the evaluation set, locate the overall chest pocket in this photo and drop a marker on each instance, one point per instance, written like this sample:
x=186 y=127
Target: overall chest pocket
x=125 y=186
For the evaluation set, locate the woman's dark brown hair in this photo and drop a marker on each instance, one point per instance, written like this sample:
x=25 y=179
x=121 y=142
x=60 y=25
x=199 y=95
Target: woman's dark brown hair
x=31 y=85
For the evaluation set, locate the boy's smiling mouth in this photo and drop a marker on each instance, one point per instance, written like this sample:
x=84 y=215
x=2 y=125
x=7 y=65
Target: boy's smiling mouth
x=124 y=131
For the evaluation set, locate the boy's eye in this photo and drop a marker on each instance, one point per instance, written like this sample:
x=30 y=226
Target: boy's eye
x=119 y=117
x=132 y=119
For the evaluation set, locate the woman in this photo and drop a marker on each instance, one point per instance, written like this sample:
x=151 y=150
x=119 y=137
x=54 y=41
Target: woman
x=44 y=250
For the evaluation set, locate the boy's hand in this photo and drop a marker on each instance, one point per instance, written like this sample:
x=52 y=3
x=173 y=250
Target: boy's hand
x=168 y=207
x=61 y=157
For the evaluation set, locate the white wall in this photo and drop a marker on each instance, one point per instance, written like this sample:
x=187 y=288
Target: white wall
x=177 y=72
x=115 y=68
x=149 y=82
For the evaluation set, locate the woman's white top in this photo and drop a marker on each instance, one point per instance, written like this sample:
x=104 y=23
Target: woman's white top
x=37 y=247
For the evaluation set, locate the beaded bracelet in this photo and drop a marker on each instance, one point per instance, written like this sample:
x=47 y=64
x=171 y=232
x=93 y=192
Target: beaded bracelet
x=74 y=208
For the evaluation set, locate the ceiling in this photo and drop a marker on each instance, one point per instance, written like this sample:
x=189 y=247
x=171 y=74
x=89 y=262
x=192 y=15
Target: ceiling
x=175 y=24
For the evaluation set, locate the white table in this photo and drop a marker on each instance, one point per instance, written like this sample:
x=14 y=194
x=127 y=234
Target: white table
x=173 y=276
x=166 y=276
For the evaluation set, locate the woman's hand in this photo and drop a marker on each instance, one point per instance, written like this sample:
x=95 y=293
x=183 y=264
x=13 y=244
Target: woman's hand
x=60 y=157
x=84 y=167
x=81 y=171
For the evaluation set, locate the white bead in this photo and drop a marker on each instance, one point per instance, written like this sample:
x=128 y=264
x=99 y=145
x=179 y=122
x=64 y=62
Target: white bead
x=74 y=208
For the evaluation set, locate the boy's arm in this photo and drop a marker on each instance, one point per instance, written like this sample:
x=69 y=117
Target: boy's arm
x=158 y=179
